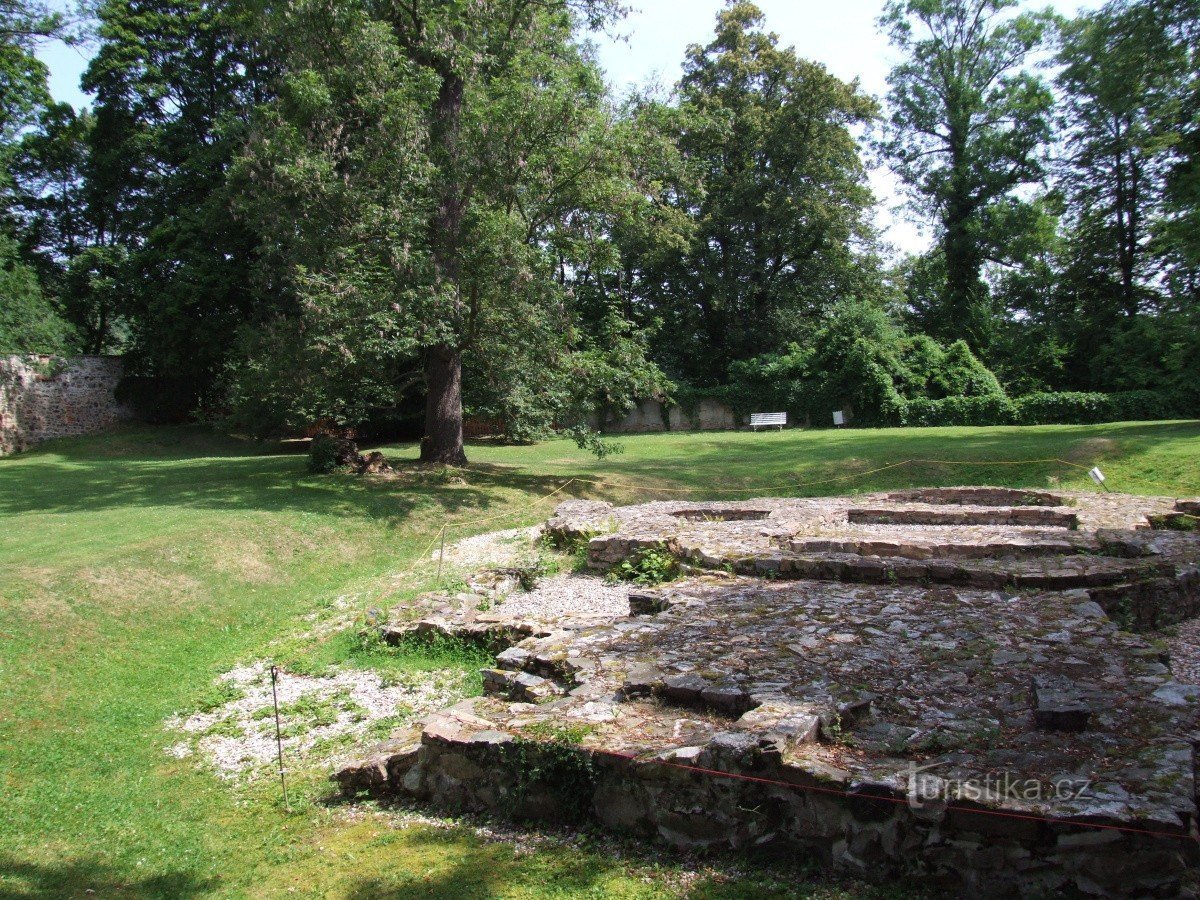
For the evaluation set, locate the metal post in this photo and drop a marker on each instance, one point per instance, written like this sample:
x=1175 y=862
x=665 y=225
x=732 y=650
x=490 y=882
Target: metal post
x=441 y=554
x=279 y=737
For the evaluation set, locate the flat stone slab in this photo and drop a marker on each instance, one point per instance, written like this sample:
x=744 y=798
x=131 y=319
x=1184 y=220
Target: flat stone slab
x=979 y=496
x=913 y=514
x=1097 y=542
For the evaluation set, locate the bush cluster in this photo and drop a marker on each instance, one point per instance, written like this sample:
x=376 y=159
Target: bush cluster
x=322 y=454
x=1063 y=408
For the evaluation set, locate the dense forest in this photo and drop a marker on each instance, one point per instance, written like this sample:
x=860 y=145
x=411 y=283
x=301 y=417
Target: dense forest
x=342 y=212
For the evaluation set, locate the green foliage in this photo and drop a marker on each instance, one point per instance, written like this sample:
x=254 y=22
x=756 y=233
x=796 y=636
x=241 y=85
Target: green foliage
x=420 y=206
x=555 y=764
x=29 y=322
x=956 y=411
x=31 y=319
x=315 y=710
x=173 y=85
x=649 y=567
x=761 y=217
x=592 y=383
x=322 y=454
x=968 y=125
x=1175 y=522
x=1070 y=408
x=217 y=694
x=428 y=651
x=858 y=360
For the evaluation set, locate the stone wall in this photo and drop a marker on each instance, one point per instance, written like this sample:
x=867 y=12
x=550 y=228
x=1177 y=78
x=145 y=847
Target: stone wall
x=44 y=397
x=648 y=415
x=696 y=802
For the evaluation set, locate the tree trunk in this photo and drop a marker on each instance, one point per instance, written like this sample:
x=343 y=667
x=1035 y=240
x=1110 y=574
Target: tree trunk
x=443 y=440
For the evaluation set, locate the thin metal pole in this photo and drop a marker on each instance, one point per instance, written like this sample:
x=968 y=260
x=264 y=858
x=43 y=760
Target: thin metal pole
x=279 y=737
x=441 y=554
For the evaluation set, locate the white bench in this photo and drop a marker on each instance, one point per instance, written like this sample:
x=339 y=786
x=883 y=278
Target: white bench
x=767 y=420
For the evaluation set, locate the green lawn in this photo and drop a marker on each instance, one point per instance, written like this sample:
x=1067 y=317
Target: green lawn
x=136 y=567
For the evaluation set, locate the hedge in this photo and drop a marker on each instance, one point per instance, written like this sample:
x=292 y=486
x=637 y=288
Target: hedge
x=1066 y=408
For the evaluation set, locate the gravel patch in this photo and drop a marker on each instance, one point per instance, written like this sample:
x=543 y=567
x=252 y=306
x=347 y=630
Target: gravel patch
x=496 y=548
x=239 y=737
x=1185 y=652
x=567 y=595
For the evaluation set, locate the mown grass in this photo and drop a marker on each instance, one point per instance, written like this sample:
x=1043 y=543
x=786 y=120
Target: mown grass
x=1137 y=457
x=136 y=567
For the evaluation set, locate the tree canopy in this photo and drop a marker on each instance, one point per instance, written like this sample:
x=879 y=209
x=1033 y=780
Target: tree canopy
x=319 y=215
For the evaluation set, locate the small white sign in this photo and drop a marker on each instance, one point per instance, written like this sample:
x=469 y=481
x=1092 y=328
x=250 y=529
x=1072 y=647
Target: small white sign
x=1097 y=475
x=839 y=418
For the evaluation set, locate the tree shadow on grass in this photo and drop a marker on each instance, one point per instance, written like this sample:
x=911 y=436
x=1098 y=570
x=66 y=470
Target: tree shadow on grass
x=192 y=468
x=78 y=878
x=480 y=871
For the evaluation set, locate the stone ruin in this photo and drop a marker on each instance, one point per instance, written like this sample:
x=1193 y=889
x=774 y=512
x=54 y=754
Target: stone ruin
x=44 y=397
x=957 y=685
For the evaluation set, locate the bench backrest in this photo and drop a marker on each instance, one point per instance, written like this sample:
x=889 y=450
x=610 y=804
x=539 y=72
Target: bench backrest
x=779 y=418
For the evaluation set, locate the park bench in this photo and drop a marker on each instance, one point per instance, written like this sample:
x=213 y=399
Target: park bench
x=767 y=420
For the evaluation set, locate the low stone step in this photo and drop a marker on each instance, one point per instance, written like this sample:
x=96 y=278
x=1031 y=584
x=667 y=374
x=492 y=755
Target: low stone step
x=1152 y=603
x=523 y=687
x=492 y=636
x=372 y=772
x=977 y=496
x=916 y=548
x=1013 y=516
x=1052 y=573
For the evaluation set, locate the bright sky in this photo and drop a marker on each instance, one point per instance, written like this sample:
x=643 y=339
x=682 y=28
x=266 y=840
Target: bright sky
x=650 y=44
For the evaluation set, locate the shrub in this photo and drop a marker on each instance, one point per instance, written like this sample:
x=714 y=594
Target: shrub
x=857 y=359
x=988 y=410
x=1045 y=408
x=649 y=567
x=322 y=454
x=1064 y=408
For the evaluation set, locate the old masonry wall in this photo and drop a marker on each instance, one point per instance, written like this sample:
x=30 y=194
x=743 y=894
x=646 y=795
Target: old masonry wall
x=44 y=397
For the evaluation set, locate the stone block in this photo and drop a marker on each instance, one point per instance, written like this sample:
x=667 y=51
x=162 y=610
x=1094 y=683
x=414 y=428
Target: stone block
x=1058 y=705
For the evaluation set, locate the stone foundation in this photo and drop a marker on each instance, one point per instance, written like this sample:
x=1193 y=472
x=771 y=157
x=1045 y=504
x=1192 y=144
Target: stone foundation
x=961 y=704
x=45 y=397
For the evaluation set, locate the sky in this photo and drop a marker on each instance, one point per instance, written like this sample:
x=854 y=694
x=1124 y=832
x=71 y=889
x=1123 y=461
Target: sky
x=649 y=44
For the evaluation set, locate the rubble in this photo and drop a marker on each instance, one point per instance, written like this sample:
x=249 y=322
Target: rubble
x=965 y=702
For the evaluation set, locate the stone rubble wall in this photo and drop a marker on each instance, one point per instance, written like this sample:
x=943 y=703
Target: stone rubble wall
x=43 y=397
x=689 y=802
x=648 y=415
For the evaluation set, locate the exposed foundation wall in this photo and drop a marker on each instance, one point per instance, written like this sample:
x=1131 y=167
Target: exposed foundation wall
x=696 y=802
x=44 y=397
x=649 y=415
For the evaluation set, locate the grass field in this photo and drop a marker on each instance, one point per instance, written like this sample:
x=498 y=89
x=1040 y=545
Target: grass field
x=136 y=567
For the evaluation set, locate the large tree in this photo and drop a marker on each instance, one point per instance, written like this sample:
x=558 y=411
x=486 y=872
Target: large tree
x=29 y=320
x=174 y=81
x=968 y=127
x=429 y=186
x=1117 y=75
x=472 y=53
x=763 y=220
